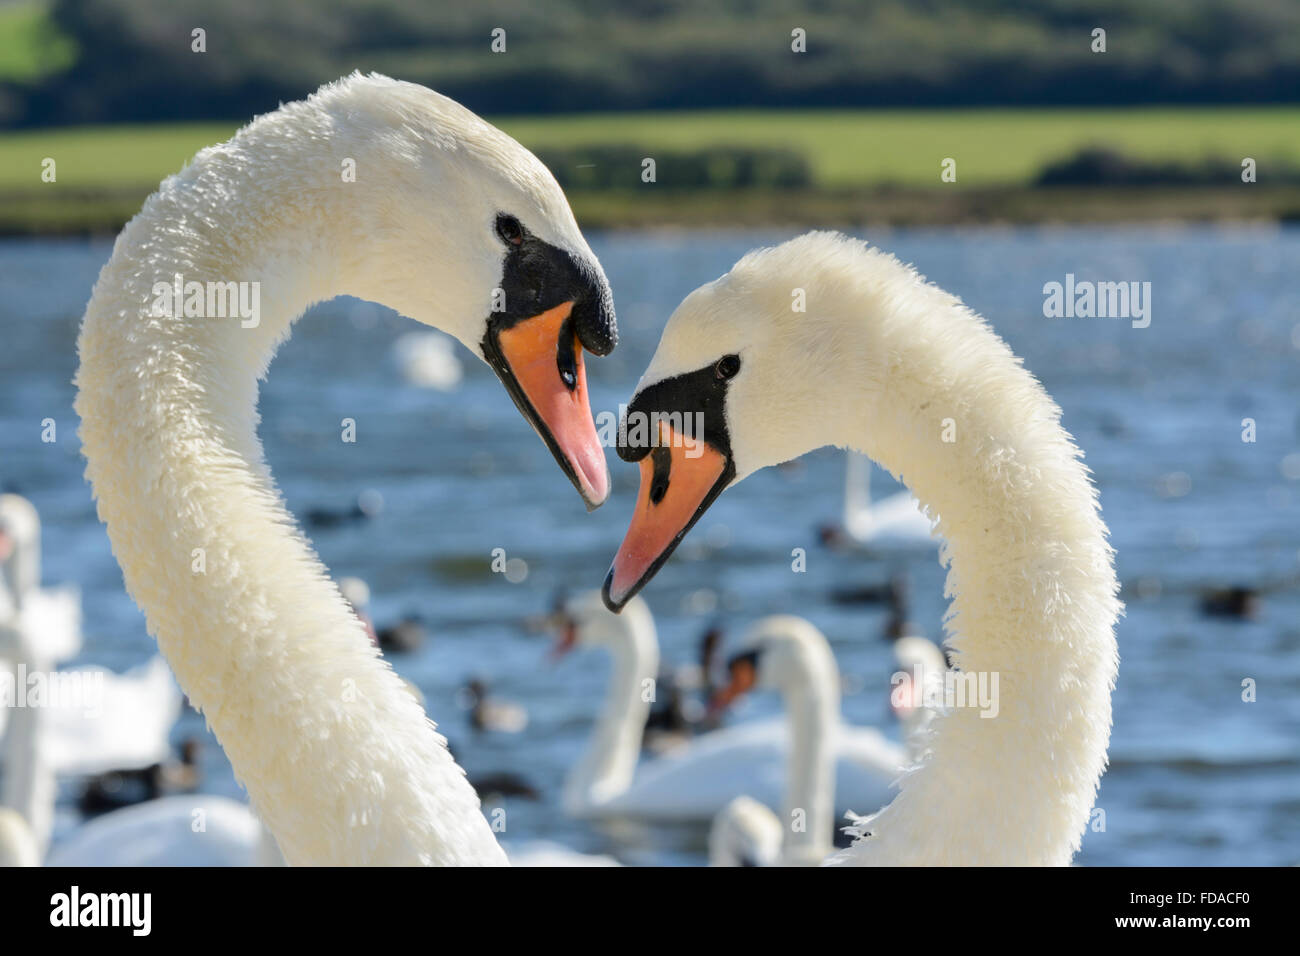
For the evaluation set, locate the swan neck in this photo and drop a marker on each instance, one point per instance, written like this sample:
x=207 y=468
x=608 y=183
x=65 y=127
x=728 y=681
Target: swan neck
x=28 y=781
x=954 y=415
x=812 y=706
x=338 y=759
x=610 y=762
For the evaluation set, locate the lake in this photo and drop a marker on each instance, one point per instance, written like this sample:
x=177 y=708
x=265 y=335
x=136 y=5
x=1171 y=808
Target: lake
x=1197 y=775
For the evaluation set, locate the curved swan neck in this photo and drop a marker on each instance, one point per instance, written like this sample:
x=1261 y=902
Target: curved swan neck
x=29 y=787
x=337 y=757
x=804 y=670
x=951 y=411
x=813 y=709
x=609 y=764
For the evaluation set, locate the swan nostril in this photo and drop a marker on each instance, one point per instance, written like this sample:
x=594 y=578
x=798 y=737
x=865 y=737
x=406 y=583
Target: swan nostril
x=657 y=492
x=662 y=462
x=566 y=355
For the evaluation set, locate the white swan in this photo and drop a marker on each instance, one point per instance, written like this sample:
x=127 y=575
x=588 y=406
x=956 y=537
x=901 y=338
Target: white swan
x=890 y=365
x=185 y=830
x=84 y=720
x=393 y=193
x=28 y=786
x=745 y=833
x=895 y=521
x=428 y=360
x=127 y=726
x=788 y=654
x=108 y=721
x=694 y=781
x=94 y=708
x=54 y=613
x=917 y=688
x=94 y=720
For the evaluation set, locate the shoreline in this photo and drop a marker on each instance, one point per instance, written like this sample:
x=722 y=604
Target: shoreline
x=73 y=213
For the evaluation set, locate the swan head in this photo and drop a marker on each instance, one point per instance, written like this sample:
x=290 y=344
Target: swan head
x=782 y=653
x=469 y=232
x=584 y=621
x=745 y=833
x=554 y=305
x=738 y=382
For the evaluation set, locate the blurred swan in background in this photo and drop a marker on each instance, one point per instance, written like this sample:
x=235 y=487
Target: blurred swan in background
x=81 y=717
x=916 y=688
x=745 y=833
x=428 y=360
x=546 y=853
x=895 y=521
x=127 y=726
x=17 y=845
x=60 y=736
x=116 y=720
x=28 y=785
x=698 y=779
x=790 y=655
x=184 y=830
x=54 y=613
x=85 y=720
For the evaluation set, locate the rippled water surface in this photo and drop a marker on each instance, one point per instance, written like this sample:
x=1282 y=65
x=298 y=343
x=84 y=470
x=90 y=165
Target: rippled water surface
x=1196 y=776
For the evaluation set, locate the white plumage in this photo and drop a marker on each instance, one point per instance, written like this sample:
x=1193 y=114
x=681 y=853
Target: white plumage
x=52 y=612
x=190 y=830
x=695 y=781
x=17 y=844
x=900 y=370
x=745 y=833
x=893 y=522
x=128 y=727
x=338 y=759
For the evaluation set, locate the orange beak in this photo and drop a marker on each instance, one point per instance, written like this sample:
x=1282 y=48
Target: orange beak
x=540 y=362
x=679 y=480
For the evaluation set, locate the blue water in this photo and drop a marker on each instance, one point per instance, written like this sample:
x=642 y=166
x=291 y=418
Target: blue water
x=1197 y=776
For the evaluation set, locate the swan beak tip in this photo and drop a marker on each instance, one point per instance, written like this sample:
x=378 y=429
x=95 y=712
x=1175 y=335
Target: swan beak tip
x=599 y=486
x=606 y=594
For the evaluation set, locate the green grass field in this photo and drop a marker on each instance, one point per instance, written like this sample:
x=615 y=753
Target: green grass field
x=846 y=149
x=991 y=147
x=104 y=157
x=105 y=170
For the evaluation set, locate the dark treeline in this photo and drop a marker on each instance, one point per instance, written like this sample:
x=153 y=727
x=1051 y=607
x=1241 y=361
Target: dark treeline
x=135 y=62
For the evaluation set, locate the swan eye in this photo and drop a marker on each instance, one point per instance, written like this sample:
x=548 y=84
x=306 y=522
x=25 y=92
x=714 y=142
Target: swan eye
x=727 y=367
x=510 y=230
